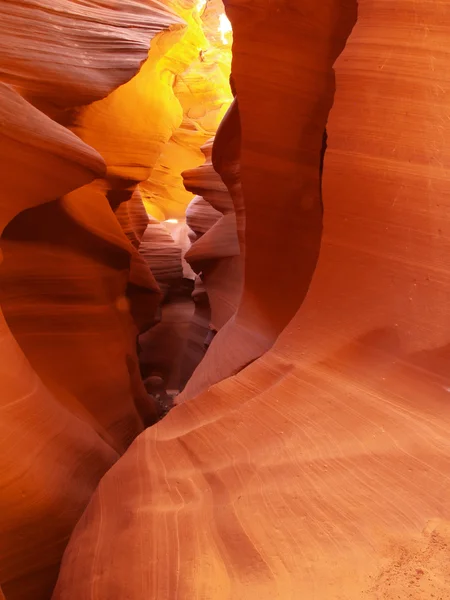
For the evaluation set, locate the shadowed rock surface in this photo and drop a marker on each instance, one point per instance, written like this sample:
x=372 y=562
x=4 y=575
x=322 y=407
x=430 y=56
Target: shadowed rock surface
x=308 y=454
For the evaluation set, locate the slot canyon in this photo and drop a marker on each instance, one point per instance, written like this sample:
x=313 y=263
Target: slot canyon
x=225 y=300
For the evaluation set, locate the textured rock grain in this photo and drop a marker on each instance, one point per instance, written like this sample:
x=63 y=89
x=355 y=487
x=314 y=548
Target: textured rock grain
x=321 y=470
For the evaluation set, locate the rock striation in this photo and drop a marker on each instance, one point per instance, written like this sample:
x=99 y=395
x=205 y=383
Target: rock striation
x=215 y=252
x=67 y=53
x=309 y=453
x=52 y=452
x=72 y=397
x=321 y=469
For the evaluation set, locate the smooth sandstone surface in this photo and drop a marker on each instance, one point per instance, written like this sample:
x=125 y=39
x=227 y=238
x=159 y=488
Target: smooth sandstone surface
x=133 y=217
x=71 y=52
x=180 y=108
x=200 y=216
x=65 y=161
x=321 y=470
x=148 y=131
x=69 y=308
x=215 y=252
x=277 y=185
x=71 y=283
x=202 y=64
x=50 y=459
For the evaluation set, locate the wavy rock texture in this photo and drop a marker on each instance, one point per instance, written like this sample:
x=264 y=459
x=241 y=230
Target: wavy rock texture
x=200 y=216
x=131 y=125
x=200 y=333
x=202 y=87
x=161 y=253
x=203 y=90
x=198 y=65
x=133 y=217
x=25 y=131
x=68 y=53
x=226 y=159
x=158 y=120
x=130 y=128
x=73 y=305
x=143 y=292
x=72 y=396
x=181 y=233
x=162 y=347
x=321 y=470
x=278 y=159
x=51 y=456
x=215 y=253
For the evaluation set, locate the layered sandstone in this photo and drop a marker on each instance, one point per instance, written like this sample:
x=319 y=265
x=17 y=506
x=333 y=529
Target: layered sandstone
x=203 y=90
x=255 y=152
x=321 y=469
x=72 y=396
x=215 y=253
x=65 y=53
x=318 y=471
x=91 y=109
x=53 y=453
x=201 y=62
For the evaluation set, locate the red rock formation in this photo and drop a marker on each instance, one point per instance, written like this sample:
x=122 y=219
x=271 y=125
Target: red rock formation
x=215 y=253
x=320 y=470
x=161 y=253
x=200 y=216
x=51 y=456
x=62 y=53
x=133 y=217
x=200 y=64
x=72 y=398
x=27 y=130
x=269 y=150
x=162 y=347
x=157 y=120
x=200 y=333
x=202 y=87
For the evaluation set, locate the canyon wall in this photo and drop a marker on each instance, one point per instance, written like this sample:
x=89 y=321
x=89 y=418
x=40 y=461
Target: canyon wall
x=88 y=102
x=68 y=408
x=274 y=135
x=215 y=253
x=308 y=455
x=170 y=349
x=51 y=457
x=321 y=469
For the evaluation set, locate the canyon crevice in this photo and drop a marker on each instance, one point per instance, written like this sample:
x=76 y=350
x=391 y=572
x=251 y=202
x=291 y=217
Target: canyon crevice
x=224 y=300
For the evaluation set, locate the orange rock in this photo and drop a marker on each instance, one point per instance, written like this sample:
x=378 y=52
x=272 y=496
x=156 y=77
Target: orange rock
x=66 y=308
x=66 y=53
x=66 y=162
x=215 y=252
x=133 y=217
x=72 y=396
x=202 y=87
x=201 y=216
x=161 y=253
x=268 y=153
x=50 y=458
x=320 y=470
